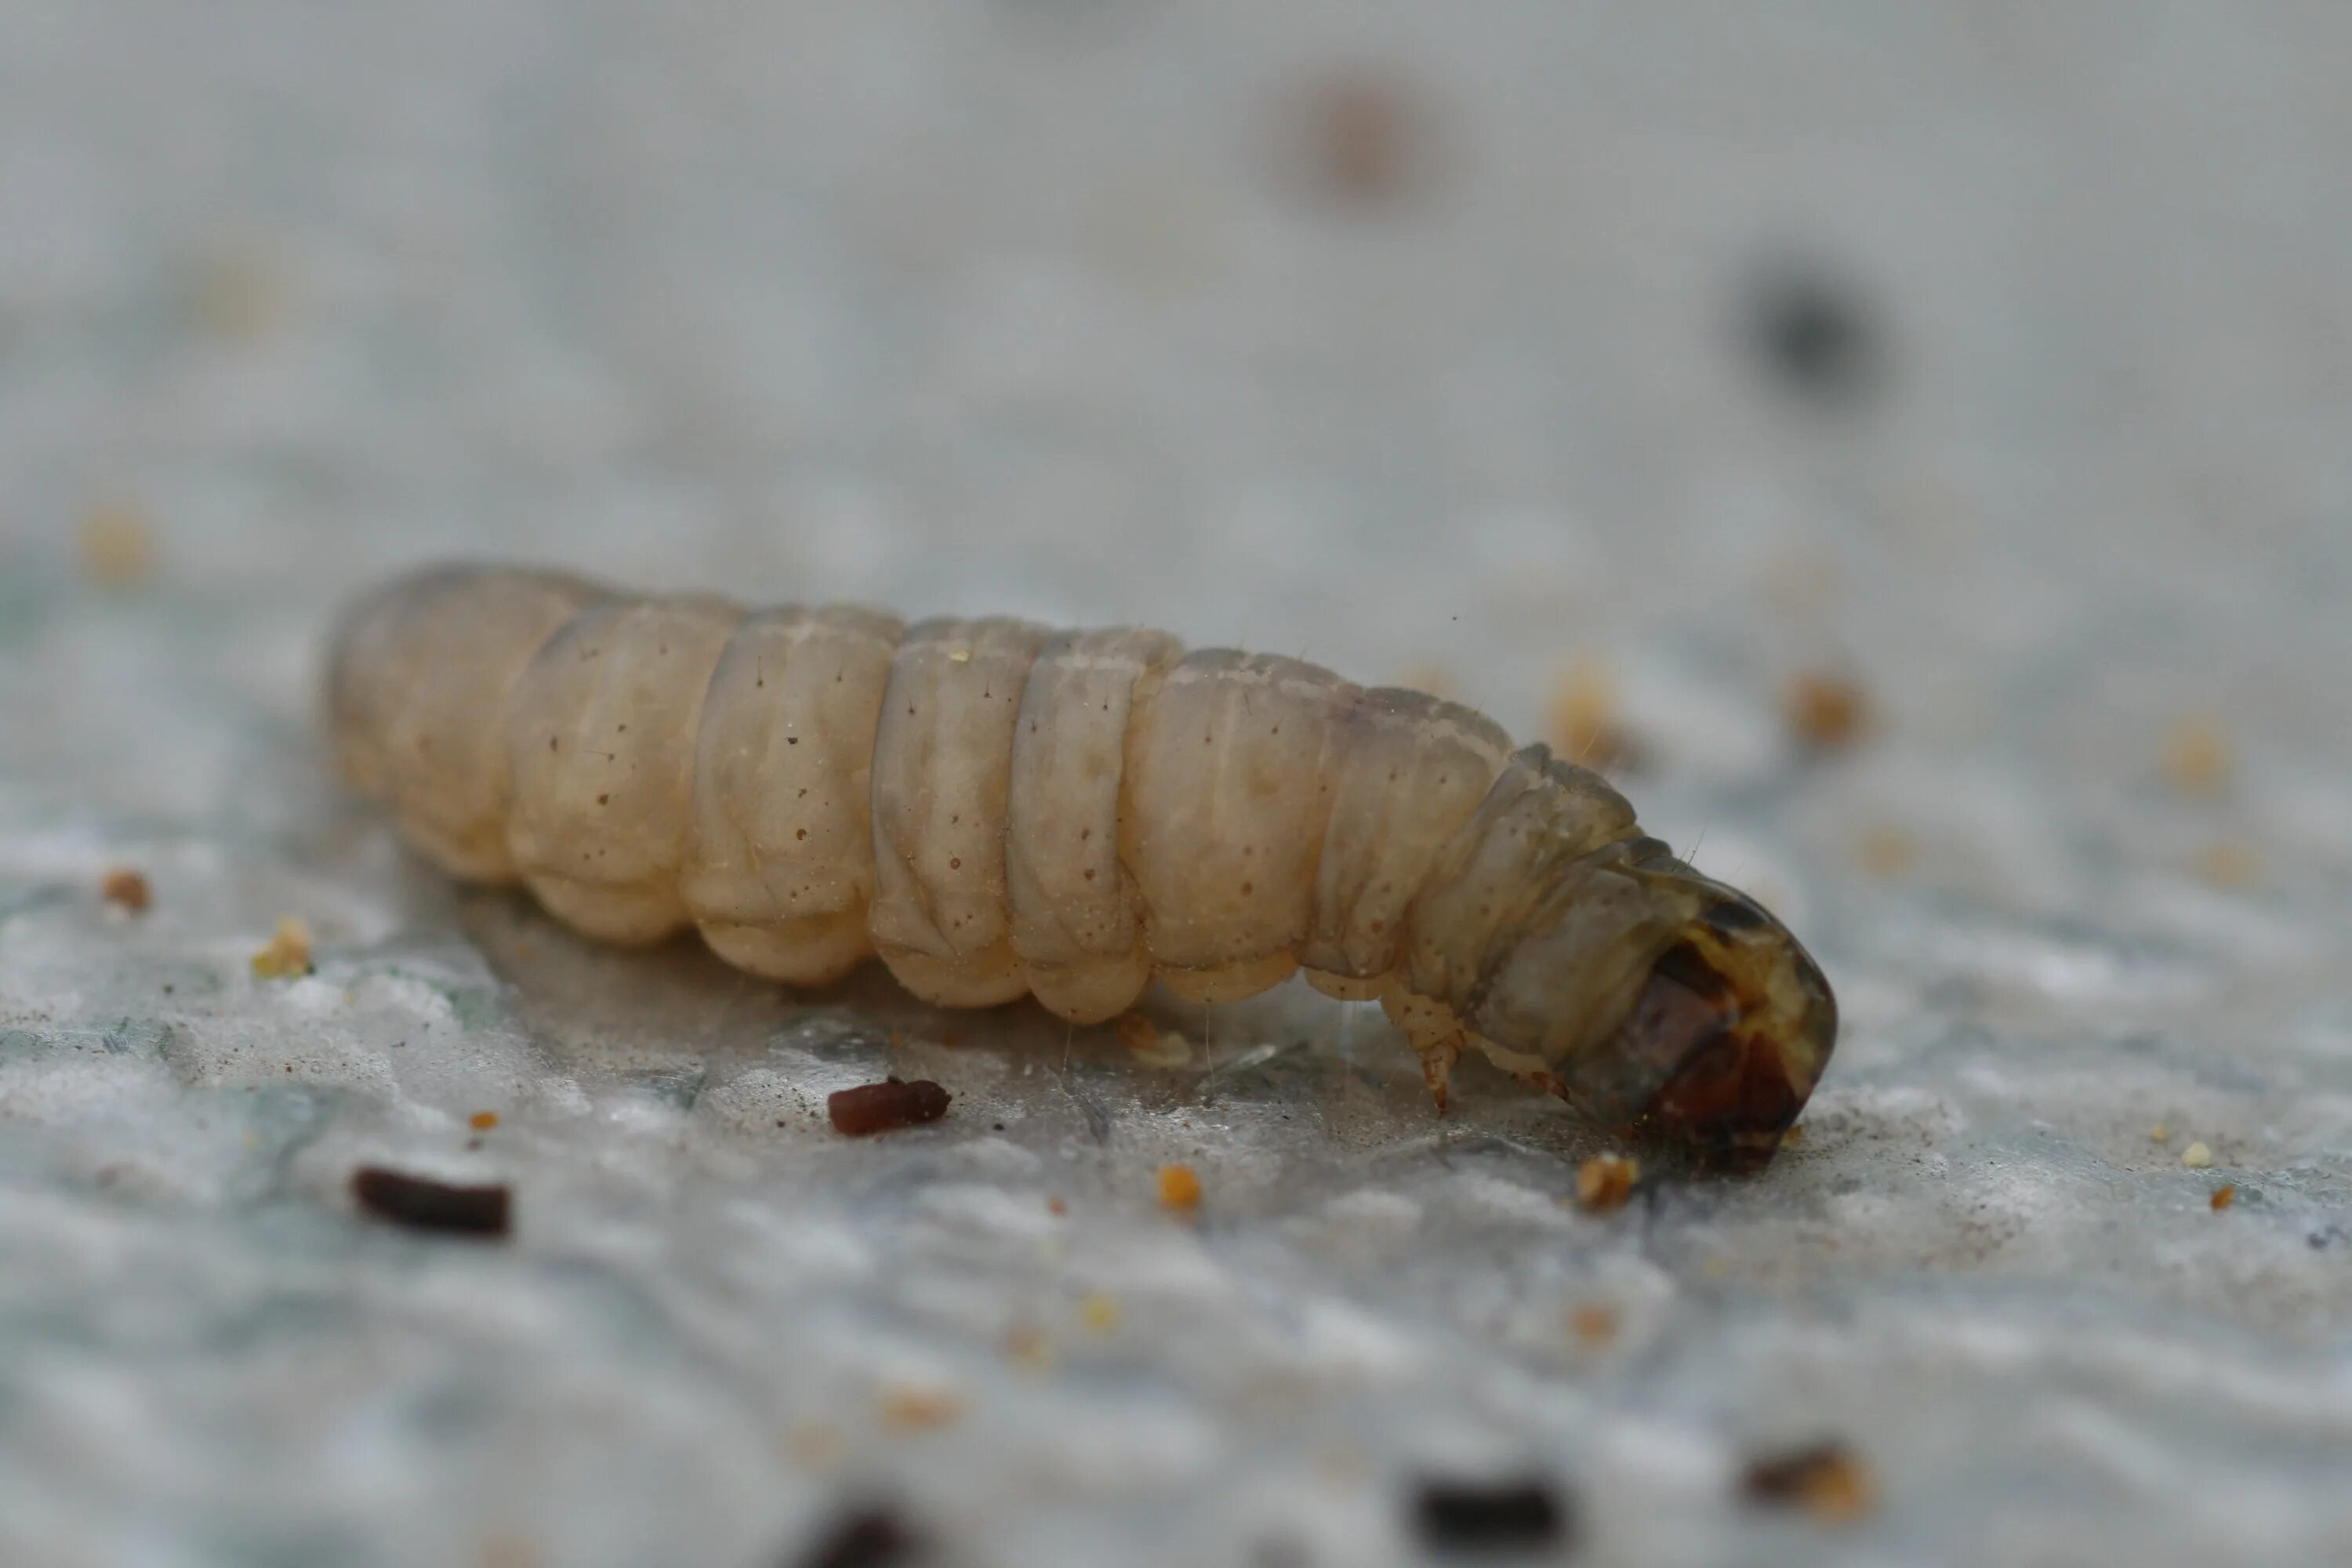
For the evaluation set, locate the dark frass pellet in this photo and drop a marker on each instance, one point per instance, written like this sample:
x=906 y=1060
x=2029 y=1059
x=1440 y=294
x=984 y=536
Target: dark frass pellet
x=422 y=1204
x=1454 y=1516
x=880 y=1107
x=874 y=1536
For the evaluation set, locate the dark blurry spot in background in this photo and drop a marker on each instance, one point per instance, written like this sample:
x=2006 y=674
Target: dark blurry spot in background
x=1358 y=137
x=1815 y=335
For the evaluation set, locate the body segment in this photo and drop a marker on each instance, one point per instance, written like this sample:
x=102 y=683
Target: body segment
x=997 y=810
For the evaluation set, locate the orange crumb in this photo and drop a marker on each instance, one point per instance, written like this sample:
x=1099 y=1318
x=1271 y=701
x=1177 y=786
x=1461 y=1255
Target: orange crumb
x=1056 y=1206
x=1827 y=1480
x=1179 y=1187
x=117 y=544
x=2196 y=756
x=287 y=954
x=1099 y=1312
x=482 y=1121
x=1584 y=725
x=1885 y=851
x=506 y=1550
x=1028 y=1348
x=1826 y=711
x=2224 y=1196
x=1604 y=1182
x=1149 y=1044
x=921 y=1409
x=127 y=890
x=1593 y=1324
x=2232 y=864
x=1432 y=678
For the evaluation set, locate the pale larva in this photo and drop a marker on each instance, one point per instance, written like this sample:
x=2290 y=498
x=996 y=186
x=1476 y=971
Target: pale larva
x=996 y=809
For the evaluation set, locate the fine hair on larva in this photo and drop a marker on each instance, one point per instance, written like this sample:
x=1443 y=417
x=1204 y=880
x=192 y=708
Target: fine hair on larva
x=996 y=809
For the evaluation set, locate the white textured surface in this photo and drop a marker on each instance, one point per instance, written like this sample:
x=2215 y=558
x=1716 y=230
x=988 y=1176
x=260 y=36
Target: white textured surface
x=1025 y=308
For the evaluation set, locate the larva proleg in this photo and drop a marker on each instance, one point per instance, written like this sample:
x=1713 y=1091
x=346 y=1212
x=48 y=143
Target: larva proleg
x=995 y=810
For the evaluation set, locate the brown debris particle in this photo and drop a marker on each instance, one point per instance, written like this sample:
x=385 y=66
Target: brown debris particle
x=1593 y=1324
x=1179 y=1187
x=921 y=1409
x=882 y=1107
x=421 y=1203
x=1584 y=724
x=482 y=1121
x=287 y=955
x=1026 y=1346
x=116 y=542
x=1826 y=711
x=1827 y=1480
x=127 y=890
x=2196 y=756
x=1604 y=1182
x=1363 y=138
x=2224 y=1195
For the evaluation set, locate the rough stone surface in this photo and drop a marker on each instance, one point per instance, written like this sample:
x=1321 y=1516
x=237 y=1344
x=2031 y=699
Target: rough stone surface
x=1998 y=356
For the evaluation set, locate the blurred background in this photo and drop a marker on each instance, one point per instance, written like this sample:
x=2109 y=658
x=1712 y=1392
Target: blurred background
x=1905 y=443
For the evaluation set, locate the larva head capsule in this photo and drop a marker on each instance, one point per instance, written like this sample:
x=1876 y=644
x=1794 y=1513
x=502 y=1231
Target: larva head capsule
x=1663 y=1001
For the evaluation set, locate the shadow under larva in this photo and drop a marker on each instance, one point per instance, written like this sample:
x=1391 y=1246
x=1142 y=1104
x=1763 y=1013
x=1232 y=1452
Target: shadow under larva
x=996 y=809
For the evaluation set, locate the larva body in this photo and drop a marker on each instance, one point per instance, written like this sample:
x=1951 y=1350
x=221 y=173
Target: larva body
x=997 y=810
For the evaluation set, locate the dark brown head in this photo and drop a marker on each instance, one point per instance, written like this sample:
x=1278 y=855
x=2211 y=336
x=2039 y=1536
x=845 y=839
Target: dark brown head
x=1664 y=1003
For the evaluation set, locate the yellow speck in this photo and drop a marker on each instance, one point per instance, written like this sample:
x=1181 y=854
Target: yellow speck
x=1585 y=726
x=1149 y=1044
x=1604 y=1182
x=238 y=294
x=1179 y=1187
x=1885 y=851
x=482 y=1121
x=2196 y=756
x=1098 y=1311
x=813 y=1444
x=1793 y=1138
x=960 y=655
x=2158 y=1133
x=2196 y=1157
x=287 y=954
x=1826 y=711
x=116 y=542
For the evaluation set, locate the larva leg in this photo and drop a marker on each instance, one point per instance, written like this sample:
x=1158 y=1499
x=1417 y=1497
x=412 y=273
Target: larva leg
x=422 y=678
x=779 y=870
x=942 y=772
x=602 y=737
x=1434 y=1034
x=1227 y=797
x=1077 y=918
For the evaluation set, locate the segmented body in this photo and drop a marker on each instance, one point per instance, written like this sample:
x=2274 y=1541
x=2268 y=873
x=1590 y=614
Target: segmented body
x=996 y=809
